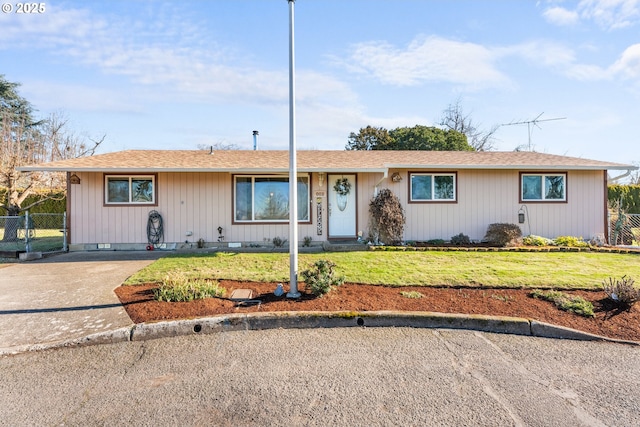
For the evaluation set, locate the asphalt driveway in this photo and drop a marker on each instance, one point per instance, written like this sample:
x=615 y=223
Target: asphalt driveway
x=65 y=296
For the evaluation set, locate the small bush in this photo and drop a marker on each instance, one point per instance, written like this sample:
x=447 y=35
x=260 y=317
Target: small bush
x=306 y=241
x=577 y=305
x=435 y=242
x=278 y=242
x=460 y=240
x=532 y=240
x=622 y=292
x=322 y=278
x=412 y=294
x=176 y=287
x=503 y=235
x=570 y=241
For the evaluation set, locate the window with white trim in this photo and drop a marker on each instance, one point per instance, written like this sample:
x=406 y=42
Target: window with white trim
x=432 y=187
x=266 y=198
x=133 y=189
x=544 y=187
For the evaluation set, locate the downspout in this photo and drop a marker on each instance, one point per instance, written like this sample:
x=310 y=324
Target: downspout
x=385 y=175
x=68 y=212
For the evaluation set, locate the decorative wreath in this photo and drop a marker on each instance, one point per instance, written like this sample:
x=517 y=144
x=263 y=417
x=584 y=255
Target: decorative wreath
x=342 y=186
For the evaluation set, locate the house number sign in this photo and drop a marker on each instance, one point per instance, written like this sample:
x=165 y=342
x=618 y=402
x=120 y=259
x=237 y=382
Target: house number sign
x=319 y=214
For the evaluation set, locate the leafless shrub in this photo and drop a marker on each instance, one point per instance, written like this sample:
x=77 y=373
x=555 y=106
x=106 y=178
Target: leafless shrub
x=387 y=218
x=622 y=291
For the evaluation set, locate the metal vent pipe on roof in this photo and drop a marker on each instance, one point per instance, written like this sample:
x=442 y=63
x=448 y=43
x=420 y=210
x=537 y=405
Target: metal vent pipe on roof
x=255 y=140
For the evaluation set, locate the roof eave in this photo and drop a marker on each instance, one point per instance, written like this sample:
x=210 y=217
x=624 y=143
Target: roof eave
x=513 y=167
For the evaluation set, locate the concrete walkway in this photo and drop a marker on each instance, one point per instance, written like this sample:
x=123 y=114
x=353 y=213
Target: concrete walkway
x=65 y=297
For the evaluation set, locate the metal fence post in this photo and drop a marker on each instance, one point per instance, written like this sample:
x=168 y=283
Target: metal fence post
x=26 y=232
x=64 y=232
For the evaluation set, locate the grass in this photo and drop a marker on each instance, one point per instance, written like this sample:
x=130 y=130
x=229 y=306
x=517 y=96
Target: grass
x=577 y=305
x=412 y=294
x=45 y=240
x=177 y=288
x=545 y=270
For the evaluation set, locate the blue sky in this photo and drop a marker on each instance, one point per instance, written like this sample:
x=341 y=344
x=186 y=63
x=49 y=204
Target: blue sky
x=175 y=75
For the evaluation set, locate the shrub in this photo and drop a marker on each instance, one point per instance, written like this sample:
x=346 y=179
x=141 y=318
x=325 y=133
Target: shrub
x=322 y=277
x=306 y=241
x=386 y=218
x=577 y=305
x=622 y=292
x=435 y=242
x=412 y=294
x=460 y=240
x=532 y=240
x=176 y=287
x=503 y=234
x=570 y=241
x=278 y=242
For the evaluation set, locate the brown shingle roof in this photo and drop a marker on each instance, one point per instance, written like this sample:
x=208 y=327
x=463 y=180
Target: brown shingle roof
x=317 y=160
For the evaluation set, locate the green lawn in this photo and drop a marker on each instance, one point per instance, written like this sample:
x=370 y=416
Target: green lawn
x=44 y=240
x=566 y=270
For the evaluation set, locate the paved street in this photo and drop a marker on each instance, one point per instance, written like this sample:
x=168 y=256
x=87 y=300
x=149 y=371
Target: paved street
x=351 y=376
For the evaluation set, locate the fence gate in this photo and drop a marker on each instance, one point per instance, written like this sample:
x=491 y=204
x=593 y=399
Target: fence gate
x=38 y=232
x=624 y=229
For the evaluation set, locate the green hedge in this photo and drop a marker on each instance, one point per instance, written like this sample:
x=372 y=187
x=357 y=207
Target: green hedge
x=49 y=206
x=630 y=195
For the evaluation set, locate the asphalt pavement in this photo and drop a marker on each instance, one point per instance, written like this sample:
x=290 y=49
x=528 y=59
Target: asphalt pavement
x=327 y=377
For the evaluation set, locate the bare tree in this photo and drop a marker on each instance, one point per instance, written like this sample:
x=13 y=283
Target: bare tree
x=24 y=143
x=454 y=118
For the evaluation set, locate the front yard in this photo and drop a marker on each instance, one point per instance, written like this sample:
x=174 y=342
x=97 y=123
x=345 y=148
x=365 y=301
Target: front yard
x=558 y=270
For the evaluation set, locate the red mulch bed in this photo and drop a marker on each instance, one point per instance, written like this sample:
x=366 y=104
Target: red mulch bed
x=609 y=321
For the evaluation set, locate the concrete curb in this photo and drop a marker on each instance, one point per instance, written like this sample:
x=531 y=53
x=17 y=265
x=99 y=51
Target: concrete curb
x=315 y=319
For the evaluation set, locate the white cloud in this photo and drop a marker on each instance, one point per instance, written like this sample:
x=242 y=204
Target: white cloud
x=607 y=14
x=611 y=14
x=430 y=59
x=561 y=16
x=541 y=52
x=628 y=65
x=50 y=96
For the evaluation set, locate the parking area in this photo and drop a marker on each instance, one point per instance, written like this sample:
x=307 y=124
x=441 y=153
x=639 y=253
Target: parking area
x=66 y=296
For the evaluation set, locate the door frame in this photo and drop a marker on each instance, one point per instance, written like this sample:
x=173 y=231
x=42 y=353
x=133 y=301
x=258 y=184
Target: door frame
x=330 y=181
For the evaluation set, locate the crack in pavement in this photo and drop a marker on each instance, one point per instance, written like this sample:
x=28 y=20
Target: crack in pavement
x=569 y=396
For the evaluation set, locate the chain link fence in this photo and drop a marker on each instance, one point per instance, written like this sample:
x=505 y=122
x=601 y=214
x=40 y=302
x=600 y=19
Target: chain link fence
x=40 y=232
x=624 y=229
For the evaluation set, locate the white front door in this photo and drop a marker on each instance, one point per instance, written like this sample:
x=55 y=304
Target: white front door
x=342 y=207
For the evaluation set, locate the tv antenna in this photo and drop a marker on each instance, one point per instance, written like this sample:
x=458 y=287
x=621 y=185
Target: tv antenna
x=531 y=124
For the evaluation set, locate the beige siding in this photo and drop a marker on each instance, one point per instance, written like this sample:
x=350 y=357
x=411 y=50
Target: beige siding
x=188 y=202
x=201 y=202
x=486 y=197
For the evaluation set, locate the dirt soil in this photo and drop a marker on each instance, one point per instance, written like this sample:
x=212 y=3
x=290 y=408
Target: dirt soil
x=609 y=320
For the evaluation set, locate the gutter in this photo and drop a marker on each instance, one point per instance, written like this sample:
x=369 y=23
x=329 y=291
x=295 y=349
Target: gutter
x=619 y=177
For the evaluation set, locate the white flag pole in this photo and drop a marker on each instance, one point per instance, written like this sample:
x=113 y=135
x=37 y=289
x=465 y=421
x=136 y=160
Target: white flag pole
x=293 y=175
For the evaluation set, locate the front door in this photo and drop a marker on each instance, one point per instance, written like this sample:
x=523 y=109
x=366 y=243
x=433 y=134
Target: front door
x=342 y=206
